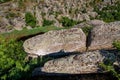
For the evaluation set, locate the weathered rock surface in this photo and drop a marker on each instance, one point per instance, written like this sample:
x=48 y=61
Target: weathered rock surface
x=90 y=23
x=103 y=36
x=68 y=40
x=52 y=10
x=87 y=62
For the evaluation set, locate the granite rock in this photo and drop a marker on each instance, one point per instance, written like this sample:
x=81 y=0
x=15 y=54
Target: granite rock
x=67 y=40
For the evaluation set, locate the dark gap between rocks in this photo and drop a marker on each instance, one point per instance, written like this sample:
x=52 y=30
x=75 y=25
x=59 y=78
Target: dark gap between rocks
x=88 y=40
x=92 y=76
x=29 y=36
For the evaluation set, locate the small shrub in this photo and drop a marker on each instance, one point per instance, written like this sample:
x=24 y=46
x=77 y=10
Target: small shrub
x=117 y=44
x=11 y=59
x=66 y=22
x=111 y=69
x=30 y=19
x=13 y=65
x=47 y=22
x=109 y=13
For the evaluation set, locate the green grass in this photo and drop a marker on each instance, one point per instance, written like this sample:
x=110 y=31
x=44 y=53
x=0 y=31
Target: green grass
x=109 y=13
x=87 y=29
x=116 y=44
x=67 y=22
x=27 y=32
x=30 y=19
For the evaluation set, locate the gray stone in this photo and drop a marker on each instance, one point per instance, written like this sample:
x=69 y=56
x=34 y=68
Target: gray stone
x=92 y=14
x=5 y=26
x=93 y=23
x=103 y=36
x=87 y=62
x=68 y=40
x=18 y=23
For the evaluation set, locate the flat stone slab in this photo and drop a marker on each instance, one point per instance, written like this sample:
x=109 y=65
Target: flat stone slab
x=67 y=40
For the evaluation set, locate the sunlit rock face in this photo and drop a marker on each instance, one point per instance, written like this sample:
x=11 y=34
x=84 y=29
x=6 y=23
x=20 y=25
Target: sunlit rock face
x=103 y=36
x=68 y=40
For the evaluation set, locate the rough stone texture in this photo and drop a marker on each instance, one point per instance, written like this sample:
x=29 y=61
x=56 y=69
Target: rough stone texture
x=103 y=36
x=90 y=23
x=11 y=17
x=45 y=9
x=77 y=64
x=68 y=40
x=4 y=22
x=79 y=10
x=18 y=23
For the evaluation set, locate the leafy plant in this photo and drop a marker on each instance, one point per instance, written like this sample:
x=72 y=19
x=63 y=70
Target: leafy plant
x=13 y=65
x=16 y=35
x=108 y=64
x=66 y=22
x=117 y=44
x=13 y=62
x=109 y=13
x=111 y=69
x=47 y=22
x=11 y=56
x=30 y=19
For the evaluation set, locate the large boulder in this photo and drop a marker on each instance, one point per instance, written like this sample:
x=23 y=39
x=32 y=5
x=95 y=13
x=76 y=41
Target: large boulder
x=68 y=40
x=102 y=37
x=87 y=62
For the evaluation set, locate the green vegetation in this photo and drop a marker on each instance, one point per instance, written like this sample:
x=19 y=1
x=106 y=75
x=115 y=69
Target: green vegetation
x=87 y=29
x=117 y=44
x=11 y=57
x=66 y=22
x=111 y=69
x=108 y=65
x=28 y=32
x=13 y=62
x=30 y=19
x=109 y=13
x=47 y=22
